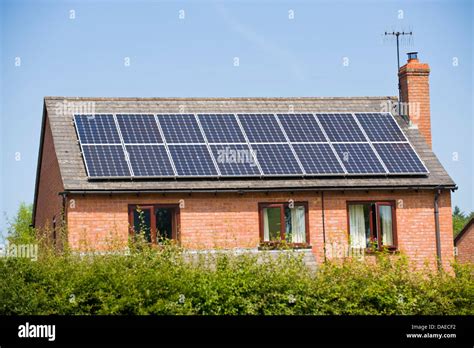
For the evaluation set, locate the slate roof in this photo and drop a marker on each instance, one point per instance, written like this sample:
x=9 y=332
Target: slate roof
x=75 y=179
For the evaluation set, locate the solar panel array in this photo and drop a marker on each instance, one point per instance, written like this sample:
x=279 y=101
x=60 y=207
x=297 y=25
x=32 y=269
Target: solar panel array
x=238 y=145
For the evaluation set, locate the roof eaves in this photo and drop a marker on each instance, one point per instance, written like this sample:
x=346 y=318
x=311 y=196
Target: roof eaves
x=263 y=189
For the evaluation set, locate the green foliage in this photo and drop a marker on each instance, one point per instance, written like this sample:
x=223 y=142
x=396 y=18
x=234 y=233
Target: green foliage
x=164 y=280
x=460 y=219
x=19 y=228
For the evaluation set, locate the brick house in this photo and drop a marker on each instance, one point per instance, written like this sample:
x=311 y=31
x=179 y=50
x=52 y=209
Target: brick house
x=327 y=214
x=464 y=243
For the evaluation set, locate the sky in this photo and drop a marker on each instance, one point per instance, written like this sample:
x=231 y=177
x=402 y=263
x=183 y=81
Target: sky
x=189 y=49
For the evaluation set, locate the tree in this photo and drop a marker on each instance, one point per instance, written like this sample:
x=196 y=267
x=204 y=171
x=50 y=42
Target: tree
x=19 y=228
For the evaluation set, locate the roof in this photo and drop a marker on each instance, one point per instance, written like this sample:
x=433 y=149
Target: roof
x=59 y=111
x=463 y=231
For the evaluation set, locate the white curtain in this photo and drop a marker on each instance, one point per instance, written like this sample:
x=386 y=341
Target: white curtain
x=357 y=226
x=298 y=228
x=385 y=213
x=266 y=228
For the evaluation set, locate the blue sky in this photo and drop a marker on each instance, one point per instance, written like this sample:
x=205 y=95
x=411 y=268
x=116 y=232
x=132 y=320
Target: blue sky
x=194 y=56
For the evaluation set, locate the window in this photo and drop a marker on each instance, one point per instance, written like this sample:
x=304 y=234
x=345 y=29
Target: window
x=372 y=225
x=280 y=222
x=158 y=222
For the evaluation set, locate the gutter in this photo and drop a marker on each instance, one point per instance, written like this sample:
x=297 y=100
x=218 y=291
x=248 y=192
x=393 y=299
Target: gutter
x=245 y=190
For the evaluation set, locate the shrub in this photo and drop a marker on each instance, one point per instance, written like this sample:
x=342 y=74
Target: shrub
x=167 y=281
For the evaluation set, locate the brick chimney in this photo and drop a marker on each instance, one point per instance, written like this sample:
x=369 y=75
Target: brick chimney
x=415 y=94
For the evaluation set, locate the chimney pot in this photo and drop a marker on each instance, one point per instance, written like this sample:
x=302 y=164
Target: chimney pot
x=412 y=56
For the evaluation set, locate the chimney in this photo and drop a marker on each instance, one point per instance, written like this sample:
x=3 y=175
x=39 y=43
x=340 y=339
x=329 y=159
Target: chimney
x=415 y=94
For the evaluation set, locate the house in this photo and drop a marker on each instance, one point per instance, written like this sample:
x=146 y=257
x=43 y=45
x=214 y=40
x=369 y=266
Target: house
x=464 y=243
x=364 y=205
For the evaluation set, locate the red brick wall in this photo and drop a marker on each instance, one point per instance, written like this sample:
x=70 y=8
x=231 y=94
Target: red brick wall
x=465 y=246
x=231 y=220
x=49 y=203
x=415 y=90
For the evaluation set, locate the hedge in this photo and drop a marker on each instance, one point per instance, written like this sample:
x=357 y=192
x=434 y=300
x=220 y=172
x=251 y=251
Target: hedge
x=165 y=281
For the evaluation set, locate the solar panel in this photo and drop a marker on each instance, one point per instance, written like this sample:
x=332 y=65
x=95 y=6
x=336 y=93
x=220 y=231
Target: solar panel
x=97 y=129
x=276 y=159
x=301 y=128
x=192 y=160
x=105 y=161
x=235 y=160
x=261 y=128
x=139 y=129
x=211 y=145
x=180 y=128
x=149 y=160
x=341 y=127
x=359 y=159
x=400 y=158
x=318 y=159
x=380 y=127
x=221 y=128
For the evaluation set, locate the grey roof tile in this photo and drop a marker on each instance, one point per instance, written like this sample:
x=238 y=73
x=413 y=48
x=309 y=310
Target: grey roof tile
x=75 y=179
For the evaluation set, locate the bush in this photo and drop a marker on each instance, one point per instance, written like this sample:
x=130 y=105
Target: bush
x=166 y=281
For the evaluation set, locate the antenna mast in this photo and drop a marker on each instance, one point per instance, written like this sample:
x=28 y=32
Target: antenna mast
x=397 y=34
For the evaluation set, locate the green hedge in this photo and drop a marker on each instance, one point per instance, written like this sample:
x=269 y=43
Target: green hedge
x=164 y=281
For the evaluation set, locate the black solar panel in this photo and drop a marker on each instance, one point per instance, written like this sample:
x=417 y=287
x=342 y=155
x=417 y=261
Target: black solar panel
x=97 y=129
x=185 y=138
x=318 y=159
x=276 y=159
x=400 y=158
x=301 y=128
x=192 y=160
x=359 y=159
x=380 y=127
x=235 y=160
x=105 y=161
x=221 y=128
x=139 y=129
x=261 y=128
x=149 y=160
x=341 y=127
x=180 y=128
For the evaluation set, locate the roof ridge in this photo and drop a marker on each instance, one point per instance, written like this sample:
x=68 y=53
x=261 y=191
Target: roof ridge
x=217 y=98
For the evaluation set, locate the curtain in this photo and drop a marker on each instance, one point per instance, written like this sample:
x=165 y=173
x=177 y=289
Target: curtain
x=298 y=228
x=266 y=228
x=357 y=226
x=385 y=213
